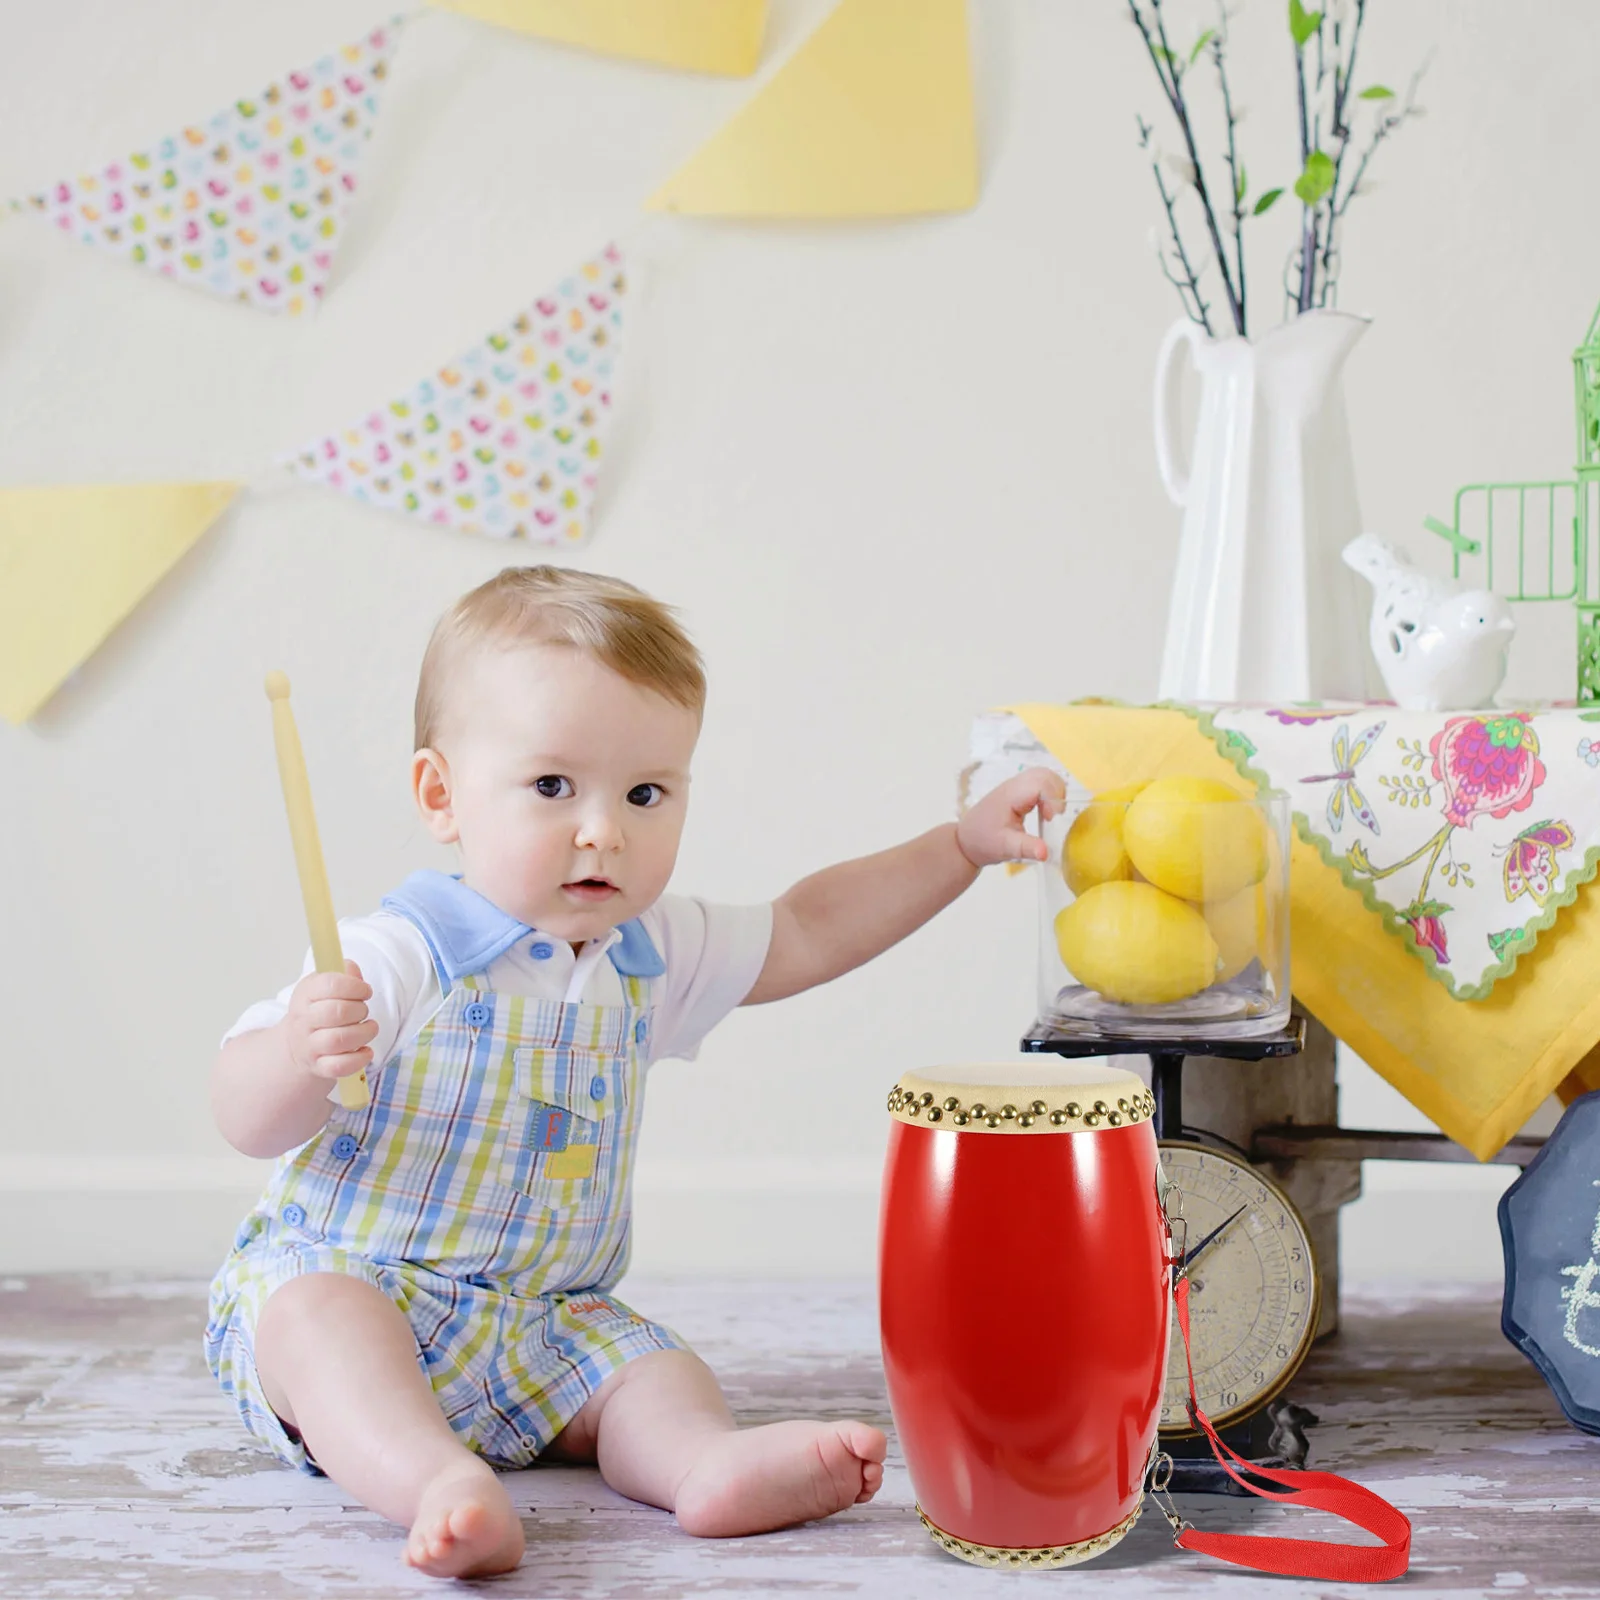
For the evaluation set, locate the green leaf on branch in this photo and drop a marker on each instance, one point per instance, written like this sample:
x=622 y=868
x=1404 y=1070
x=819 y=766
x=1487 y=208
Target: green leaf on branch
x=1303 y=24
x=1313 y=185
x=1240 y=184
x=1200 y=44
x=1265 y=203
x=1376 y=92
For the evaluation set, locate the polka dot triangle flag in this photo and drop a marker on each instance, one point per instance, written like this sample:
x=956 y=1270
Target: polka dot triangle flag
x=248 y=205
x=507 y=438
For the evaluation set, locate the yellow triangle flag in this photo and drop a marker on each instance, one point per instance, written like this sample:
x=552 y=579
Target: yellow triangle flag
x=74 y=562
x=871 y=117
x=700 y=35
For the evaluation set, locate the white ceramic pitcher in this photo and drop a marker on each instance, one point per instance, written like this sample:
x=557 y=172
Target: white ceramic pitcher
x=1262 y=606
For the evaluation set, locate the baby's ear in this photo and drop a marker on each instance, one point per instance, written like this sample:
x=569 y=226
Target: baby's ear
x=430 y=788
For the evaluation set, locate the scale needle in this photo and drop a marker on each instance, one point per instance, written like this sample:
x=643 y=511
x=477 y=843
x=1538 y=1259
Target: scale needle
x=1191 y=1256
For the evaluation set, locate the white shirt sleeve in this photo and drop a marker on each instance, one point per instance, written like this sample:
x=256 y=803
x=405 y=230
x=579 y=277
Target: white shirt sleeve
x=713 y=956
x=394 y=959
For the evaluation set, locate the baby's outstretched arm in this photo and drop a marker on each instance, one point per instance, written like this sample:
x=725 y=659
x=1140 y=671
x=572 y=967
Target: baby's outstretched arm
x=269 y=1087
x=845 y=915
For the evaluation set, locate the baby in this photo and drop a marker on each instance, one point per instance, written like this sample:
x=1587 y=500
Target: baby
x=423 y=1292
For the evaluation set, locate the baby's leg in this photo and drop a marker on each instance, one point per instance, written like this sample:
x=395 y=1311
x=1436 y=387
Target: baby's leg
x=337 y=1360
x=662 y=1433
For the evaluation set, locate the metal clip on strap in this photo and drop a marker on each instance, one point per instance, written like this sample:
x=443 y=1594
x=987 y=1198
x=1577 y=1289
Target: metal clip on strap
x=1158 y=1477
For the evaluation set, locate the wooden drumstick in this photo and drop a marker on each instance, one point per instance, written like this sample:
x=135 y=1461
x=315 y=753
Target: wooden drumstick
x=325 y=948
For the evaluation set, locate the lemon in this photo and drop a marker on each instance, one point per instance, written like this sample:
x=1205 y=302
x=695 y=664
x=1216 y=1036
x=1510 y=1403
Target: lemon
x=1134 y=944
x=1239 y=925
x=1195 y=838
x=1093 y=850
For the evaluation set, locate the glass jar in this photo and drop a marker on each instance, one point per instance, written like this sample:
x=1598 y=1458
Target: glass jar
x=1164 y=912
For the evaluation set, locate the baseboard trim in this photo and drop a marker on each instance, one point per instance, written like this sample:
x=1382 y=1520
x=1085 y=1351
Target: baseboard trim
x=740 y=1218
x=179 y=1214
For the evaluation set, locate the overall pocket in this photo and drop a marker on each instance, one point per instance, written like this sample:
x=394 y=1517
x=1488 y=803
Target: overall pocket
x=562 y=1124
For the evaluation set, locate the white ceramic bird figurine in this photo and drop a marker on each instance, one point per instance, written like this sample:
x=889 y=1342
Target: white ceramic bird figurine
x=1438 y=646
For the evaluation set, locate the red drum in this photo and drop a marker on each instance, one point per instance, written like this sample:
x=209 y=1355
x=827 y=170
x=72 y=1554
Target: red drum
x=1023 y=1297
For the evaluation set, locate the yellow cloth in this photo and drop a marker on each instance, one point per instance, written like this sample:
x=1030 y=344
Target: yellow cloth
x=1477 y=1067
x=700 y=35
x=74 y=562
x=871 y=117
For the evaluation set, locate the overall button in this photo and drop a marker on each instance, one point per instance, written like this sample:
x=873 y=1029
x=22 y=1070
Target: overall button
x=641 y=1030
x=294 y=1214
x=541 y=951
x=477 y=1014
x=597 y=1088
x=345 y=1146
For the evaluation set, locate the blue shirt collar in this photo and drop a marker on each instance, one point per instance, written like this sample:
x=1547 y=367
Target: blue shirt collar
x=634 y=954
x=465 y=932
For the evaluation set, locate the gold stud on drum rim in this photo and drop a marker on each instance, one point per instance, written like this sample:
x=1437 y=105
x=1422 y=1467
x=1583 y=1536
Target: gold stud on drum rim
x=1053 y=1096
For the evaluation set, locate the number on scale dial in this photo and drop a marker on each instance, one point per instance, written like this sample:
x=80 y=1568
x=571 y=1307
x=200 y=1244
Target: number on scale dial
x=1253 y=1290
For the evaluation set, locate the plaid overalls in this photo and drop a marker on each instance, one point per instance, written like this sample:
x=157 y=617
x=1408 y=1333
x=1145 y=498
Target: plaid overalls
x=485 y=1190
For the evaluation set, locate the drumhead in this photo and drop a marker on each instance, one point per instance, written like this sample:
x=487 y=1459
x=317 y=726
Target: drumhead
x=1030 y=1094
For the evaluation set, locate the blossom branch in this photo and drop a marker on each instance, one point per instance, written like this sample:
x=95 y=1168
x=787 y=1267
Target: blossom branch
x=1188 y=286
x=1169 y=74
x=1236 y=174
x=1339 y=203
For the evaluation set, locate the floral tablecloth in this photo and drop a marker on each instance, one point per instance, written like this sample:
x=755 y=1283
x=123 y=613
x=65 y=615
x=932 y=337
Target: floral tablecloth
x=1440 y=921
x=1466 y=832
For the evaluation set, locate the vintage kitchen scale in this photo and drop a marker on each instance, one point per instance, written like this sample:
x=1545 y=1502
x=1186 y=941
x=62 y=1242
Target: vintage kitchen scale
x=1254 y=1287
x=1187 y=954
x=1115 y=936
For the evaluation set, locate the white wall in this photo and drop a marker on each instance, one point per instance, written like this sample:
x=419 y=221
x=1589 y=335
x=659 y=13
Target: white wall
x=893 y=473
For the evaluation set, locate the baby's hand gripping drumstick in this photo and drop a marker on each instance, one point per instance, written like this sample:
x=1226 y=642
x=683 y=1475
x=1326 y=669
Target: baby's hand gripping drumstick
x=325 y=949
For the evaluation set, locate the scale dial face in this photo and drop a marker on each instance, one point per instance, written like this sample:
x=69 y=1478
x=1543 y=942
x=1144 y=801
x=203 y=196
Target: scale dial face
x=1253 y=1288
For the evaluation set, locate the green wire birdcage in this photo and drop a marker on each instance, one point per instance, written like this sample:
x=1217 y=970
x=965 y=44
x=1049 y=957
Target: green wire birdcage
x=1539 y=540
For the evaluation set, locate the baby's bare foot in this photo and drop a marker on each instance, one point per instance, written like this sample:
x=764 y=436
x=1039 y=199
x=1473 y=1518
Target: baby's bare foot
x=763 y=1478
x=465 y=1526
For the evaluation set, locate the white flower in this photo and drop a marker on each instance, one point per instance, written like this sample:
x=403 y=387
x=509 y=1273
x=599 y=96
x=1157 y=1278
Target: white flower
x=1184 y=169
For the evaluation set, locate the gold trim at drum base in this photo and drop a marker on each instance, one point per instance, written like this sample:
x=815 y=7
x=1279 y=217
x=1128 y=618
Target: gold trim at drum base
x=1035 y=1558
x=1060 y=1101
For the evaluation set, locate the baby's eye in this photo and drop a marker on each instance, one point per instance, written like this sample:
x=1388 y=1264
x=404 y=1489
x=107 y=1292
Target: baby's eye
x=646 y=794
x=553 y=787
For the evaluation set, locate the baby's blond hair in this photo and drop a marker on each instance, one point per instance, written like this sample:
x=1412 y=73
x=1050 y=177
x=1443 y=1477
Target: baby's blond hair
x=621 y=626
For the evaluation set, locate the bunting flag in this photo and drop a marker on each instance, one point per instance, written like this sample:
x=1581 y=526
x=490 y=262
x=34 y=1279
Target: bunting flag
x=74 y=562
x=506 y=439
x=699 y=35
x=872 y=116
x=248 y=205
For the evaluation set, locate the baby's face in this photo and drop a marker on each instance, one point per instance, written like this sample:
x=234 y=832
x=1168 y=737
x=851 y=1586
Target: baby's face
x=568 y=787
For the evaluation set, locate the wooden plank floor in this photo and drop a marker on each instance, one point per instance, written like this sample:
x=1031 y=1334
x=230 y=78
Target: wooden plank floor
x=123 y=1472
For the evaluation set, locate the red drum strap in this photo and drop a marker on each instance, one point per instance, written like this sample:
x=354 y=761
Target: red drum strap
x=1322 y=1491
